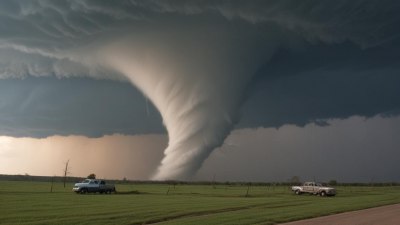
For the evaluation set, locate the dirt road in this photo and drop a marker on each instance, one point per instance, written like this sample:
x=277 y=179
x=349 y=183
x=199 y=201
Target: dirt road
x=388 y=215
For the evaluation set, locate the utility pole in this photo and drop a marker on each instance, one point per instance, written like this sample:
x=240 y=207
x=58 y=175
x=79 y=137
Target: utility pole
x=52 y=182
x=66 y=172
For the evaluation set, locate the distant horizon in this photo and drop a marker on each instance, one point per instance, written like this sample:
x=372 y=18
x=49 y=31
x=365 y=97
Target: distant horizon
x=189 y=182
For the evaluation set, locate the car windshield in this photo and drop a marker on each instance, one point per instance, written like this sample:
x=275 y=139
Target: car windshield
x=85 y=181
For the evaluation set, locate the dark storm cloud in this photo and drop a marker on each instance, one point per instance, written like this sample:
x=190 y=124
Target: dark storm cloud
x=318 y=82
x=41 y=107
x=330 y=59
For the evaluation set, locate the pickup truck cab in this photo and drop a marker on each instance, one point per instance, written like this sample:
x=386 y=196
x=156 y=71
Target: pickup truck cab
x=314 y=188
x=93 y=185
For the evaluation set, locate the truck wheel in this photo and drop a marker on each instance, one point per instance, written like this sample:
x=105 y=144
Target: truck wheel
x=322 y=194
x=297 y=192
x=84 y=191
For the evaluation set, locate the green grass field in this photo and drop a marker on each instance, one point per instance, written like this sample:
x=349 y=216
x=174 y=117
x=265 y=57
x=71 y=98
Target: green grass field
x=32 y=203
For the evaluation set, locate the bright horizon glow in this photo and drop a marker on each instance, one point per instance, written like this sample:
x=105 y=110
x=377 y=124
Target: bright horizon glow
x=110 y=156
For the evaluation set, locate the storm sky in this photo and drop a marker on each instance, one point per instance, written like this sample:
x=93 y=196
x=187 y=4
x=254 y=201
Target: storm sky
x=240 y=91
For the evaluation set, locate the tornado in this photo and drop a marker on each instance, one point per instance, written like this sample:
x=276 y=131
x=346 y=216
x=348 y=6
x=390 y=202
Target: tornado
x=197 y=84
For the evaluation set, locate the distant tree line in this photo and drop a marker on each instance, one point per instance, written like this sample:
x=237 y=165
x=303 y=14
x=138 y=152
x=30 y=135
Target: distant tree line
x=38 y=178
x=27 y=177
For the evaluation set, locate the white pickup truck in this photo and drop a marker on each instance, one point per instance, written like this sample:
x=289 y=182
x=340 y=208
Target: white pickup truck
x=93 y=185
x=314 y=188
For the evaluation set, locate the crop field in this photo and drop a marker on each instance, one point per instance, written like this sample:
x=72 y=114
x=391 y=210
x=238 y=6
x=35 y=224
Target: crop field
x=24 y=202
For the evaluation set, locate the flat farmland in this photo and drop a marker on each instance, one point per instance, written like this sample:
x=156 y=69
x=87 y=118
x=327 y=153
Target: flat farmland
x=28 y=202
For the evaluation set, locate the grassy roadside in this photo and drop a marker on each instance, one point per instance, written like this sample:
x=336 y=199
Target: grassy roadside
x=32 y=203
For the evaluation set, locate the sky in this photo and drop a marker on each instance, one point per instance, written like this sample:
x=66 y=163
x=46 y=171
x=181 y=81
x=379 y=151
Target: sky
x=189 y=90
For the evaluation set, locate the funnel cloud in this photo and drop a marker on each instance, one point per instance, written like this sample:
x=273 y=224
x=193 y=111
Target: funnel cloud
x=197 y=86
x=199 y=63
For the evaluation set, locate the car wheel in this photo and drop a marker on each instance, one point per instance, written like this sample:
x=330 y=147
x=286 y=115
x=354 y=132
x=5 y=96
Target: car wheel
x=84 y=191
x=297 y=192
x=323 y=194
